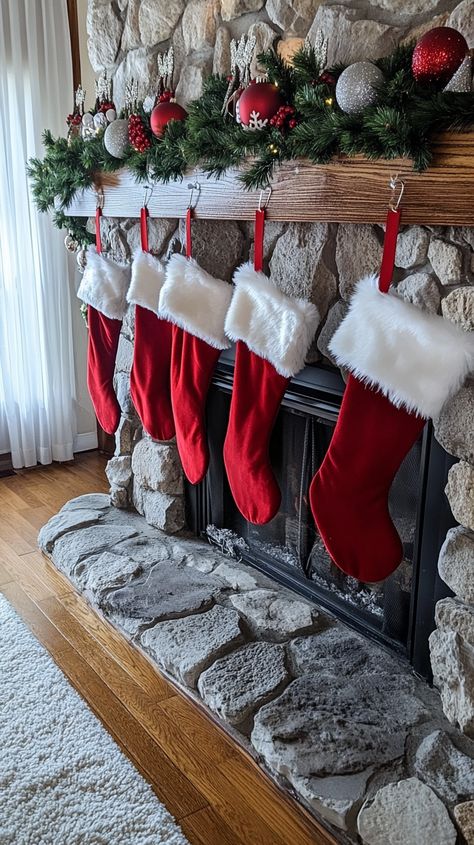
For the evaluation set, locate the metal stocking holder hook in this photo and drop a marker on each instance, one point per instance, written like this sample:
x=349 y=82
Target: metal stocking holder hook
x=398 y=187
x=100 y=198
x=267 y=201
x=147 y=195
x=194 y=186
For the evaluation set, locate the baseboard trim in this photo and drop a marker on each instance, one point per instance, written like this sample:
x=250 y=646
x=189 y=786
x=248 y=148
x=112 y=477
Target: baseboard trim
x=85 y=442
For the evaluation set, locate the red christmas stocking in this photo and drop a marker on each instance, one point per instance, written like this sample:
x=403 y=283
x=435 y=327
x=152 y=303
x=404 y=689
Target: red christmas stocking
x=103 y=288
x=404 y=364
x=150 y=374
x=273 y=334
x=196 y=303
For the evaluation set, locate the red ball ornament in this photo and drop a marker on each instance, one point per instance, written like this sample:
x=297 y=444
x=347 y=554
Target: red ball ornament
x=162 y=114
x=438 y=55
x=257 y=104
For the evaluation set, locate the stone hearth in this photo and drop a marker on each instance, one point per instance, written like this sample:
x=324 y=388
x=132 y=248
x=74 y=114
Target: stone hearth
x=333 y=718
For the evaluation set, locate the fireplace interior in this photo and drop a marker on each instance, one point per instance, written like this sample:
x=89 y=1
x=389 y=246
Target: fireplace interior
x=399 y=611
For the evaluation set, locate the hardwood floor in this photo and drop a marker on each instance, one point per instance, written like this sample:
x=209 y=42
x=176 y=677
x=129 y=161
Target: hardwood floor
x=212 y=787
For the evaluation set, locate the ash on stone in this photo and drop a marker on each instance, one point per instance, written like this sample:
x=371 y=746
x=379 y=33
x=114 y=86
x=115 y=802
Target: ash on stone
x=227 y=541
x=167 y=592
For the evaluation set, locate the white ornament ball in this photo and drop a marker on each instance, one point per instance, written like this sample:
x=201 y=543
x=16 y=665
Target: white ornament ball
x=358 y=87
x=116 y=138
x=111 y=115
x=70 y=243
x=87 y=119
x=100 y=120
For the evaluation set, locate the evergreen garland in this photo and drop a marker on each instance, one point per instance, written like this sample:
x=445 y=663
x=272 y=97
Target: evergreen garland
x=401 y=124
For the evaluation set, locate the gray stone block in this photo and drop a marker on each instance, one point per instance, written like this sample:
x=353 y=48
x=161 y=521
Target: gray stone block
x=452 y=662
x=334 y=319
x=276 y=616
x=420 y=289
x=168 y=591
x=358 y=254
x=444 y=768
x=108 y=571
x=446 y=261
x=454 y=428
x=331 y=725
x=351 y=37
x=156 y=466
x=456 y=562
x=235 y=686
x=405 y=812
x=458 y=306
x=63 y=522
x=186 y=647
x=104 y=31
x=454 y=615
x=160 y=510
x=464 y=815
x=200 y=24
x=412 y=247
x=119 y=470
x=460 y=493
x=340 y=651
x=75 y=546
x=335 y=799
x=157 y=20
x=89 y=501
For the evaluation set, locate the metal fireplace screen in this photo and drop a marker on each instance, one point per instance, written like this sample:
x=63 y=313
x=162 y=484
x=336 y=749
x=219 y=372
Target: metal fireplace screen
x=398 y=611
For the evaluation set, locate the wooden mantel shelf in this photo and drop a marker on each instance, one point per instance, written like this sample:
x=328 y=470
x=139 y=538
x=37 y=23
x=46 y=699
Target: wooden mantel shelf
x=347 y=190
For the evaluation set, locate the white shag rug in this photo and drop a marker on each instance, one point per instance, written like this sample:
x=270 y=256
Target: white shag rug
x=63 y=780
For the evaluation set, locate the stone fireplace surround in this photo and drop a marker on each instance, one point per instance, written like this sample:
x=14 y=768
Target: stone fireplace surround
x=347 y=727
x=206 y=619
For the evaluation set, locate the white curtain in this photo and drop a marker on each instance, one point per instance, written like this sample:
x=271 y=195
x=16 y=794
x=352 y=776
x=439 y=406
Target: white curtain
x=37 y=410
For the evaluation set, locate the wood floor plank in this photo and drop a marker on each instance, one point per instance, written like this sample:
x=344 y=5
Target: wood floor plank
x=33 y=586
x=271 y=804
x=5 y=575
x=117 y=646
x=43 y=569
x=171 y=786
x=206 y=827
x=198 y=728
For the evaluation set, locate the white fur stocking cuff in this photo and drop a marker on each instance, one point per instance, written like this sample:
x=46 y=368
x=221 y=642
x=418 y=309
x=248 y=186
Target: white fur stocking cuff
x=415 y=358
x=104 y=285
x=148 y=277
x=274 y=326
x=195 y=300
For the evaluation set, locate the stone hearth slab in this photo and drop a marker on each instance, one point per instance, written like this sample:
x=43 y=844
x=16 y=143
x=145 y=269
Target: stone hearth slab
x=334 y=718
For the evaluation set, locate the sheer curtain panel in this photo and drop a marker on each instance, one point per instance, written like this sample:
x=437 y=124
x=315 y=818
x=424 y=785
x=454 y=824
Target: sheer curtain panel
x=36 y=360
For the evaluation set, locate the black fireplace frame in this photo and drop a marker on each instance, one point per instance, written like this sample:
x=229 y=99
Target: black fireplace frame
x=318 y=390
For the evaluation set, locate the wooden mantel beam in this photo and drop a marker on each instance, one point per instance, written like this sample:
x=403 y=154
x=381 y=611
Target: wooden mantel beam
x=348 y=190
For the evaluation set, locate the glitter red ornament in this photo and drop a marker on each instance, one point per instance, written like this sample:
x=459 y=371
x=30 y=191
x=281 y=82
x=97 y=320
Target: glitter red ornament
x=438 y=55
x=257 y=104
x=163 y=113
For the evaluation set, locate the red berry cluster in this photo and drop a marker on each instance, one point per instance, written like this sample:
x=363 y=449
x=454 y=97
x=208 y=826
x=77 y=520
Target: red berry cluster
x=284 y=118
x=106 y=105
x=74 y=119
x=326 y=78
x=166 y=96
x=137 y=134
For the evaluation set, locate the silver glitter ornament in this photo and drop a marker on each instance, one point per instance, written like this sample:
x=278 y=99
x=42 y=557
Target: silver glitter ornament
x=358 y=87
x=116 y=138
